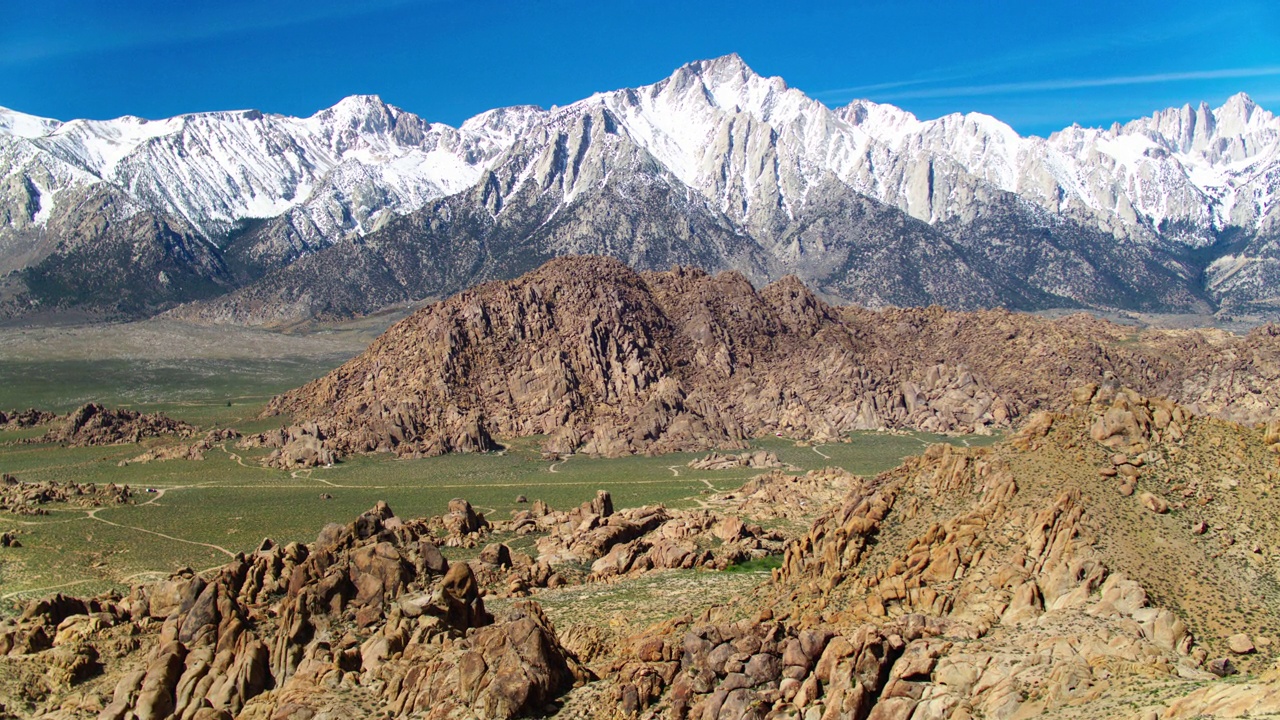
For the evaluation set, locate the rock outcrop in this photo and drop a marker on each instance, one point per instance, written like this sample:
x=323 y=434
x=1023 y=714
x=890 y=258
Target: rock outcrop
x=1003 y=582
x=194 y=451
x=29 y=498
x=759 y=460
x=371 y=604
x=30 y=417
x=609 y=362
x=93 y=424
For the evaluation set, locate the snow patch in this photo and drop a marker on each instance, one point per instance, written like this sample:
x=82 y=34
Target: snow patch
x=25 y=126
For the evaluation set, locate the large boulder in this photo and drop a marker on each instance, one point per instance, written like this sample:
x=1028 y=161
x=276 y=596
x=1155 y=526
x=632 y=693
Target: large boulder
x=506 y=670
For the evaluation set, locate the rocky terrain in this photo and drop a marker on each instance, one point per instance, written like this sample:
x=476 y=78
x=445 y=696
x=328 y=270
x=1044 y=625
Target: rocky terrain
x=29 y=498
x=93 y=424
x=724 y=461
x=607 y=361
x=1114 y=559
x=264 y=219
x=30 y=417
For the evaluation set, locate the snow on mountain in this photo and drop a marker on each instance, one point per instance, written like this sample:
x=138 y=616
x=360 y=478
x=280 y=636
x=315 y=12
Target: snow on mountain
x=1198 y=169
x=25 y=126
x=218 y=169
x=712 y=123
x=764 y=157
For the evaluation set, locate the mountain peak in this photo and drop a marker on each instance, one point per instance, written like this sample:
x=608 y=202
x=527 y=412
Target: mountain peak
x=19 y=124
x=733 y=61
x=1238 y=107
x=361 y=114
x=730 y=83
x=729 y=68
x=357 y=104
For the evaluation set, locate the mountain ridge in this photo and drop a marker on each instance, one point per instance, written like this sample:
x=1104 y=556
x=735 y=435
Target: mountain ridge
x=1186 y=197
x=604 y=360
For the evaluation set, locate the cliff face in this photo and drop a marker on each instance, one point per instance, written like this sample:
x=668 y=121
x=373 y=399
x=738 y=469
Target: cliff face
x=604 y=360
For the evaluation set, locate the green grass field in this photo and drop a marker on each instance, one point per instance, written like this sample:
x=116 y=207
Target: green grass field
x=202 y=391
x=227 y=503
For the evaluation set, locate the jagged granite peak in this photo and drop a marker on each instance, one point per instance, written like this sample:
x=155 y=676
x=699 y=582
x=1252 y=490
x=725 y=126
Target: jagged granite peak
x=219 y=169
x=714 y=164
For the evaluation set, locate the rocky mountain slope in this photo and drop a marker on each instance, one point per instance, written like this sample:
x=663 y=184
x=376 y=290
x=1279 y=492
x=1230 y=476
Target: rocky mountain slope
x=364 y=204
x=1116 y=559
x=1031 y=579
x=607 y=361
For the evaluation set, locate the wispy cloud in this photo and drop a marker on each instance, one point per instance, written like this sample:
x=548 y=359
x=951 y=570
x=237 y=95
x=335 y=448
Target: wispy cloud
x=1066 y=50
x=858 y=90
x=98 y=34
x=1009 y=88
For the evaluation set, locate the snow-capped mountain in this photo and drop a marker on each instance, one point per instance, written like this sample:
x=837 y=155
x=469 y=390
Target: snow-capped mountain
x=714 y=165
x=216 y=170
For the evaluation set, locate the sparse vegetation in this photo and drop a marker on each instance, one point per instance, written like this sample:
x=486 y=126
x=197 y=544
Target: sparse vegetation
x=228 y=500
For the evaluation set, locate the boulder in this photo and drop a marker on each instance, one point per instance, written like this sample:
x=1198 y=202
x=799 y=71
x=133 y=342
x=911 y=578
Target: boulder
x=509 y=669
x=1154 y=503
x=462 y=519
x=1240 y=644
x=496 y=554
x=1222 y=667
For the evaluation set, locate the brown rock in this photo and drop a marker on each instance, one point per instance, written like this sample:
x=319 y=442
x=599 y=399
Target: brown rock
x=496 y=554
x=462 y=518
x=378 y=573
x=762 y=668
x=605 y=360
x=1240 y=644
x=433 y=561
x=1222 y=667
x=1153 y=503
x=93 y=424
x=1128 y=470
x=505 y=670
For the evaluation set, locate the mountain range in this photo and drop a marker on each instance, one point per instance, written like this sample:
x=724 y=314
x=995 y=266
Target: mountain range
x=255 y=218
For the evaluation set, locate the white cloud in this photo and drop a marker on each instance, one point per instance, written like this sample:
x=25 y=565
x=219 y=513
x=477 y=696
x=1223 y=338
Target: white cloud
x=1079 y=83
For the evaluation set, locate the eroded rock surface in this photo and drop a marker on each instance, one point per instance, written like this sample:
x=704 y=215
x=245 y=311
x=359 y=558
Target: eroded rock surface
x=1003 y=582
x=93 y=424
x=30 y=498
x=607 y=361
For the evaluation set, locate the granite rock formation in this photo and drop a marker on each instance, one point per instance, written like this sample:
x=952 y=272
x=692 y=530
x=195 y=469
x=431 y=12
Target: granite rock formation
x=608 y=361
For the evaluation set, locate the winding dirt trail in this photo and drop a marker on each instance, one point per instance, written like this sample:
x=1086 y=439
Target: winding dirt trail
x=33 y=523
x=93 y=515
x=815 y=449
x=240 y=461
x=43 y=590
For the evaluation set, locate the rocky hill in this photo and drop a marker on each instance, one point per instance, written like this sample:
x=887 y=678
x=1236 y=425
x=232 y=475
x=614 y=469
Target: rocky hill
x=266 y=219
x=607 y=361
x=1112 y=560
x=1116 y=559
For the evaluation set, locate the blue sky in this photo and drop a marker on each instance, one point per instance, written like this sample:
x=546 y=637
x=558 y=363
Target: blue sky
x=1037 y=65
